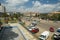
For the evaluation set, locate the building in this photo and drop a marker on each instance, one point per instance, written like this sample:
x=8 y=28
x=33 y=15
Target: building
x=30 y=13
x=52 y=13
x=2 y=9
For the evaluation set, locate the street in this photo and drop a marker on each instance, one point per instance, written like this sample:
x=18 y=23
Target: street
x=44 y=25
x=15 y=31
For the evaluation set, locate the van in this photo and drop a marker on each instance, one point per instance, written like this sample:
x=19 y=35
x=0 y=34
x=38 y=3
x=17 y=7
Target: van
x=44 y=35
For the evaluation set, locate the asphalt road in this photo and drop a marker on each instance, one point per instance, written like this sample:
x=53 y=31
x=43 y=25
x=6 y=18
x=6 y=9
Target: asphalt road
x=48 y=24
x=44 y=25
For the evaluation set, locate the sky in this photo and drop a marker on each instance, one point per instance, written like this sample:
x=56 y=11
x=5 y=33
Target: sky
x=42 y=6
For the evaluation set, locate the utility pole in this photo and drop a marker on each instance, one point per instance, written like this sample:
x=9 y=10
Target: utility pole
x=30 y=15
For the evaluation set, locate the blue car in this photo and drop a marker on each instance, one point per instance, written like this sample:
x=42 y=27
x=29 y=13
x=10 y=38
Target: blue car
x=58 y=30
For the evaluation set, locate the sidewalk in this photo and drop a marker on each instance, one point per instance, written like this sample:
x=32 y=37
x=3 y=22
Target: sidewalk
x=10 y=33
x=26 y=34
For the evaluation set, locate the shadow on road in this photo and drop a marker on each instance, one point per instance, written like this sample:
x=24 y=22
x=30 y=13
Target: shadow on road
x=8 y=34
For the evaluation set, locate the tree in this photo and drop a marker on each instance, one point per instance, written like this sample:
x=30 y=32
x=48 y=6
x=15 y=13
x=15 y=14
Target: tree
x=36 y=15
x=5 y=15
x=59 y=17
x=44 y=16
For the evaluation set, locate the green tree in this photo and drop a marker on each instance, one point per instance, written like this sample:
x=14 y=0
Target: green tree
x=59 y=17
x=5 y=15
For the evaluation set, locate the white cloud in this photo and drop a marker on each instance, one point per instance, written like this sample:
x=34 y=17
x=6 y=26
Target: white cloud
x=37 y=6
x=11 y=4
x=15 y=2
x=21 y=9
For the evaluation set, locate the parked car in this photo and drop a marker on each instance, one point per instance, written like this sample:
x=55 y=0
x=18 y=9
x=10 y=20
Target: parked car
x=34 y=22
x=58 y=30
x=44 y=35
x=28 y=19
x=51 y=29
x=31 y=25
x=56 y=36
x=33 y=29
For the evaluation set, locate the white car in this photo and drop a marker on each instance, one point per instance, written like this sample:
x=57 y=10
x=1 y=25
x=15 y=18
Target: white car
x=31 y=25
x=34 y=22
x=44 y=35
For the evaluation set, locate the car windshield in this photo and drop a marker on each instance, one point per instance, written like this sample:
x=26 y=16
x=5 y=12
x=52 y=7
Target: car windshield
x=43 y=36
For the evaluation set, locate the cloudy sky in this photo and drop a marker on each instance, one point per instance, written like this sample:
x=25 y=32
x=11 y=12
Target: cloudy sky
x=41 y=6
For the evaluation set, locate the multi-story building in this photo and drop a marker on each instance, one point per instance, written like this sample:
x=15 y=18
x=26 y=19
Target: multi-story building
x=2 y=10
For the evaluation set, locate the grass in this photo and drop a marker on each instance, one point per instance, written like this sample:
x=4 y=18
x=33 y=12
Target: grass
x=10 y=20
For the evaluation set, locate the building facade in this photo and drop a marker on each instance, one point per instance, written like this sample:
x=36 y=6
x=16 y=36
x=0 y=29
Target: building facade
x=2 y=9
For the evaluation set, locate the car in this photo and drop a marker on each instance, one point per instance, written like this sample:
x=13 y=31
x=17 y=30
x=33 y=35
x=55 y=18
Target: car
x=28 y=19
x=31 y=25
x=56 y=36
x=33 y=29
x=34 y=22
x=58 y=30
x=44 y=35
x=51 y=29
